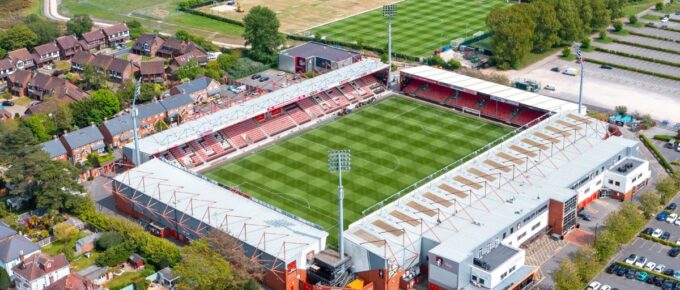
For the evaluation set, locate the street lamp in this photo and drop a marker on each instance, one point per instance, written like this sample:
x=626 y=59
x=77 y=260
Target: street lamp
x=339 y=161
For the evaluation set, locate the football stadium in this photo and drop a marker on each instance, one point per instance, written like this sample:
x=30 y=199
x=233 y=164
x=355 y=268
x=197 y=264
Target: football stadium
x=451 y=177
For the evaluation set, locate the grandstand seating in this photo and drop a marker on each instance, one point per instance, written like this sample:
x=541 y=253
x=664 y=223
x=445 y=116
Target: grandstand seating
x=309 y=106
x=278 y=124
x=525 y=116
x=298 y=115
x=245 y=132
x=326 y=103
x=348 y=91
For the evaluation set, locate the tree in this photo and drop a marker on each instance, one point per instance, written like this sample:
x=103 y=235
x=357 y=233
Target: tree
x=108 y=240
x=189 y=70
x=116 y=254
x=566 y=52
x=585 y=43
x=226 y=61
x=649 y=203
x=566 y=276
x=242 y=267
x=615 y=7
x=79 y=24
x=632 y=19
x=658 y=6
x=251 y=285
x=62 y=116
x=149 y=92
x=571 y=27
x=215 y=272
x=42 y=126
x=668 y=187
x=63 y=231
x=586 y=15
x=4 y=279
x=92 y=78
x=102 y=104
x=585 y=260
x=605 y=244
x=262 y=33
x=601 y=15
x=18 y=36
x=621 y=110
x=603 y=34
x=512 y=30
x=547 y=26
x=618 y=25
x=213 y=71
x=46 y=30
x=135 y=28
x=3 y=52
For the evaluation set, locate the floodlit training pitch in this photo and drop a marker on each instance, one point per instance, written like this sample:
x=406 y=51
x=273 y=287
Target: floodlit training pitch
x=393 y=143
x=420 y=27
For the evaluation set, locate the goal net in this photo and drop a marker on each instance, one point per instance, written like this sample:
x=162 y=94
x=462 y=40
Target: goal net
x=472 y=111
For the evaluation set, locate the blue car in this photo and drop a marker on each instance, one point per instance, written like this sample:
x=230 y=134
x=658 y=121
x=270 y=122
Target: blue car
x=662 y=216
x=677 y=274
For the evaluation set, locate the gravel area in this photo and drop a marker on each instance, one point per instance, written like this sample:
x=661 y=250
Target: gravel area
x=655 y=32
x=634 y=63
x=650 y=53
x=646 y=41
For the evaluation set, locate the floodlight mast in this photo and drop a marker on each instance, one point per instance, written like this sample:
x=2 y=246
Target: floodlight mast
x=339 y=161
x=389 y=11
x=580 y=90
x=136 y=158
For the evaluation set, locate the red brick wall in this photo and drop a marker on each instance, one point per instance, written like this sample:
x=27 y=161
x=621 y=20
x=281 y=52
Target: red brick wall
x=555 y=216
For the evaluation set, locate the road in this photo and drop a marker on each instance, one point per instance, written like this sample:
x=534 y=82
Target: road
x=51 y=11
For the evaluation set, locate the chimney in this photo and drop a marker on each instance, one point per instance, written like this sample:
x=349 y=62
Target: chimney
x=21 y=256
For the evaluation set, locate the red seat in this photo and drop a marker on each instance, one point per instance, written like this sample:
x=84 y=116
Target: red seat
x=278 y=124
x=298 y=115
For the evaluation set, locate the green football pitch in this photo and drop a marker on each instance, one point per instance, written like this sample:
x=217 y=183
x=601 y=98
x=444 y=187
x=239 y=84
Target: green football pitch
x=420 y=27
x=394 y=143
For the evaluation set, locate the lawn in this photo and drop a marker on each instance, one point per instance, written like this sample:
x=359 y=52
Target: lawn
x=636 y=8
x=420 y=27
x=393 y=143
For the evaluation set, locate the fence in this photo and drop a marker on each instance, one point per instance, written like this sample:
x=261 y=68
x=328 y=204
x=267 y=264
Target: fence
x=45 y=241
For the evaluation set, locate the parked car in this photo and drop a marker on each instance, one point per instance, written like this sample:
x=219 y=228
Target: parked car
x=650 y=265
x=659 y=268
x=631 y=273
x=555 y=69
x=641 y=276
x=606 y=66
x=664 y=20
x=650 y=24
x=594 y=285
x=650 y=279
x=665 y=236
x=7 y=103
x=657 y=233
x=668 y=284
x=550 y=88
x=672 y=217
x=641 y=262
x=606 y=287
x=674 y=252
x=632 y=259
x=662 y=216
x=669 y=272
x=677 y=222
x=648 y=231
x=570 y=71
x=622 y=271
x=672 y=206
x=264 y=79
x=676 y=274
x=612 y=269
x=677 y=242
x=658 y=281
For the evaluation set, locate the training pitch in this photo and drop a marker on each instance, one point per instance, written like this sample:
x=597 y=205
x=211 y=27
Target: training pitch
x=393 y=143
x=420 y=27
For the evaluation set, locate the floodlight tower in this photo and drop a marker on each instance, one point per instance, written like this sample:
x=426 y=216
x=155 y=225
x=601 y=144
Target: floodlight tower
x=389 y=11
x=579 y=56
x=339 y=161
x=136 y=158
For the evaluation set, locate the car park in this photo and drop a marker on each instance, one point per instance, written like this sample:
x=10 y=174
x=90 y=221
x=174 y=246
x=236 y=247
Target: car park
x=622 y=271
x=632 y=259
x=648 y=231
x=594 y=285
x=672 y=217
x=657 y=233
x=641 y=276
x=665 y=236
x=630 y=274
x=650 y=279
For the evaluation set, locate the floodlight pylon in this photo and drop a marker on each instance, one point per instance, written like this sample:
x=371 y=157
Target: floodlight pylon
x=339 y=161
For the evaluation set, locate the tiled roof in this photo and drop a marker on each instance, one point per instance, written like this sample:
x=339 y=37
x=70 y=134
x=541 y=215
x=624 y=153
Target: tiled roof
x=119 y=65
x=71 y=282
x=54 y=148
x=196 y=85
x=113 y=29
x=82 y=58
x=6 y=63
x=176 y=101
x=21 y=76
x=20 y=54
x=46 y=48
x=82 y=137
x=6 y=231
x=67 y=41
x=39 y=265
x=11 y=248
x=102 y=61
x=152 y=67
x=93 y=35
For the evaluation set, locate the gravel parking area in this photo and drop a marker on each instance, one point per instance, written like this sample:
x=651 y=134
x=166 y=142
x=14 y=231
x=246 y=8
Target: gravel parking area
x=647 y=41
x=655 y=32
x=637 y=80
x=655 y=54
x=634 y=63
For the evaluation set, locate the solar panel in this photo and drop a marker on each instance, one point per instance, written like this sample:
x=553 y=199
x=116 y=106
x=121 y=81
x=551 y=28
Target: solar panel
x=467 y=182
x=481 y=174
x=388 y=228
x=420 y=208
x=405 y=218
x=497 y=165
x=437 y=199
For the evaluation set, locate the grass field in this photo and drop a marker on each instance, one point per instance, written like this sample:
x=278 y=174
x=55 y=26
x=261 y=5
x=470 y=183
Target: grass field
x=394 y=144
x=419 y=27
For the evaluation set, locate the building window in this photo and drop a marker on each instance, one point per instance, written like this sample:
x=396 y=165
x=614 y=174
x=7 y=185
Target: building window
x=611 y=181
x=481 y=281
x=522 y=235
x=504 y=235
x=512 y=269
x=474 y=278
x=538 y=224
x=617 y=183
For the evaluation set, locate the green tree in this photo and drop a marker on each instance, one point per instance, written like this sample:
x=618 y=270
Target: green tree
x=3 y=52
x=649 y=203
x=601 y=15
x=605 y=244
x=18 y=36
x=632 y=19
x=585 y=260
x=512 y=29
x=586 y=15
x=4 y=279
x=571 y=27
x=262 y=33
x=135 y=28
x=226 y=61
x=79 y=24
x=251 y=285
x=215 y=272
x=102 y=104
x=108 y=240
x=46 y=30
x=213 y=71
x=116 y=254
x=603 y=34
x=658 y=6
x=42 y=127
x=149 y=92
x=585 y=43
x=668 y=187
x=566 y=277
x=547 y=26
x=92 y=78
x=62 y=116
x=566 y=52
x=615 y=7
x=63 y=231
x=189 y=70
x=618 y=25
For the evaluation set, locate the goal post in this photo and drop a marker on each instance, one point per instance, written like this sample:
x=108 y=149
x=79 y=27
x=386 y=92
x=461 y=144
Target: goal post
x=477 y=113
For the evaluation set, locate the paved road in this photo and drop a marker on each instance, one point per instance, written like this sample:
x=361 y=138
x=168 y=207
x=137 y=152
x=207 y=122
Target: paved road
x=669 y=45
x=644 y=52
x=634 y=63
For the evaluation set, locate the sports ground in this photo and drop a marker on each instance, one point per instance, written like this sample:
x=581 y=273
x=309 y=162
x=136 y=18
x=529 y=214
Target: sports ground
x=420 y=27
x=393 y=143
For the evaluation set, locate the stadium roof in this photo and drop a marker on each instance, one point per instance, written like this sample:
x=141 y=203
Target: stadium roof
x=191 y=130
x=315 y=49
x=490 y=192
x=496 y=91
x=261 y=226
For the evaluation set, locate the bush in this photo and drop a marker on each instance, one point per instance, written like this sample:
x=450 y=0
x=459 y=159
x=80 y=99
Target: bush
x=621 y=110
x=664 y=138
x=585 y=43
x=566 y=52
x=108 y=240
x=656 y=152
x=618 y=25
x=603 y=34
x=632 y=19
x=64 y=231
x=659 y=6
x=115 y=255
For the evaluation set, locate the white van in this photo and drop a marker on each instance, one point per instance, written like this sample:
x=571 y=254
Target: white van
x=570 y=71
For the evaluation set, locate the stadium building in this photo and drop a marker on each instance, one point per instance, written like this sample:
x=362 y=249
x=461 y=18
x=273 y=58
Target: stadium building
x=315 y=57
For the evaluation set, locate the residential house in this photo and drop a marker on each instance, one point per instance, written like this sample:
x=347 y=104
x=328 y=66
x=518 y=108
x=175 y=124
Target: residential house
x=119 y=131
x=7 y=68
x=172 y=47
x=117 y=34
x=96 y=275
x=12 y=247
x=93 y=40
x=18 y=82
x=55 y=149
x=68 y=46
x=42 y=85
x=192 y=52
x=147 y=44
x=80 y=60
x=178 y=106
x=120 y=70
x=79 y=144
x=22 y=58
x=46 y=53
x=166 y=278
x=199 y=89
x=102 y=62
x=152 y=71
x=86 y=244
x=73 y=282
x=40 y=271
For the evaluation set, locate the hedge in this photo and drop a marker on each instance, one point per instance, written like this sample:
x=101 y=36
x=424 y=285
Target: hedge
x=656 y=152
x=645 y=46
x=660 y=241
x=675 y=64
x=664 y=138
x=192 y=10
x=654 y=37
x=647 y=271
x=354 y=46
x=671 y=77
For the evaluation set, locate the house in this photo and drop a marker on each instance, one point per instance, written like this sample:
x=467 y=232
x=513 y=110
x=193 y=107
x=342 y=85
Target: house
x=22 y=59
x=18 y=82
x=199 y=89
x=119 y=131
x=86 y=244
x=40 y=271
x=147 y=44
x=120 y=70
x=116 y=34
x=68 y=46
x=79 y=144
x=314 y=56
x=12 y=247
x=46 y=53
x=96 y=275
x=136 y=261
x=191 y=53
x=102 y=62
x=73 y=282
x=152 y=71
x=166 y=278
x=80 y=60
x=93 y=40
x=7 y=68
x=42 y=85
x=55 y=149
x=172 y=47
x=177 y=106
